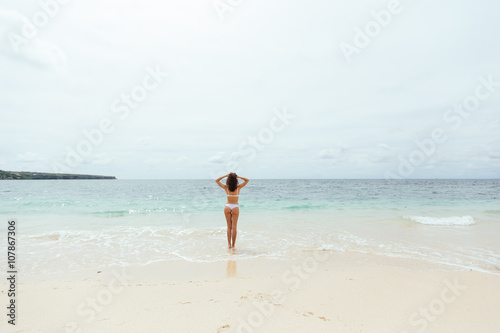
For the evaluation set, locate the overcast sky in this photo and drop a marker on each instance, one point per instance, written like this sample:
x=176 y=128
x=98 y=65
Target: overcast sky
x=270 y=89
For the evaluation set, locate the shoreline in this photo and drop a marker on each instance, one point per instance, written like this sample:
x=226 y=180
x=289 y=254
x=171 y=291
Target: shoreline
x=320 y=291
x=124 y=245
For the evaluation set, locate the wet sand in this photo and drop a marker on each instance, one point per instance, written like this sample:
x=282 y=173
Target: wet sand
x=320 y=291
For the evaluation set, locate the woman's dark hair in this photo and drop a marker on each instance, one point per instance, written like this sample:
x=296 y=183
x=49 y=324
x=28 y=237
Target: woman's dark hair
x=232 y=182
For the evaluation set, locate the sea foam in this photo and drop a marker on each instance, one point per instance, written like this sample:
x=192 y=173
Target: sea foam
x=450 y=220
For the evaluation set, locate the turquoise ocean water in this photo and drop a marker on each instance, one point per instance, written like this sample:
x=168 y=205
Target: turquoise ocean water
x=128 y=222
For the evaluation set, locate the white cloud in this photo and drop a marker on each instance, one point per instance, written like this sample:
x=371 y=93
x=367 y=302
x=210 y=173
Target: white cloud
x=29 y=157
x=494 y=154
x=144 y=141
x=224 y=83
x=384 y=154
x=301 y=147
x=327 y=153
x=152 y=163
x=16 y=45
x=101 y=159
x=217 y=158
x=181 y=159
x=333 y=153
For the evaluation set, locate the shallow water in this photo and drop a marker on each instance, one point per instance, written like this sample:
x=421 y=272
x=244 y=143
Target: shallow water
x=67 y=226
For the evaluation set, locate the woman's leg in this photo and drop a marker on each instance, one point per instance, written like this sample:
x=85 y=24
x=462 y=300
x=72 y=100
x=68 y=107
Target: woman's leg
x=227 y=213
x=235 y=213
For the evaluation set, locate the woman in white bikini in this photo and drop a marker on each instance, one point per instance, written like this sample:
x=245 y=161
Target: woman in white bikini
x=232 y=209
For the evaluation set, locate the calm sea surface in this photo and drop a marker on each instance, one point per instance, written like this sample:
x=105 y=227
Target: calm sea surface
x=127 y=222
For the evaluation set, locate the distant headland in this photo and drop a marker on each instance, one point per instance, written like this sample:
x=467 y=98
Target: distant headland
x=23 y=175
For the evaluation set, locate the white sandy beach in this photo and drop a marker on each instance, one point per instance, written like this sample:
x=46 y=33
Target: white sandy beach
x=319 y=292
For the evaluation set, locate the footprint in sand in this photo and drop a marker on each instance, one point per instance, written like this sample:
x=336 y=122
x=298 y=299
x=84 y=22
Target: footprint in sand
x=222 y=327
x=308 y=314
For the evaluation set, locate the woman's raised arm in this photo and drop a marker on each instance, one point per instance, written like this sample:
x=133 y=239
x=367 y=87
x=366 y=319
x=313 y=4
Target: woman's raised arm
x=246 y=180
x=219 y=179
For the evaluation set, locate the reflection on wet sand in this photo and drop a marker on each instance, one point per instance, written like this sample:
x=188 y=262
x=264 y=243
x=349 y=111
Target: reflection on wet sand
x=231 y=268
